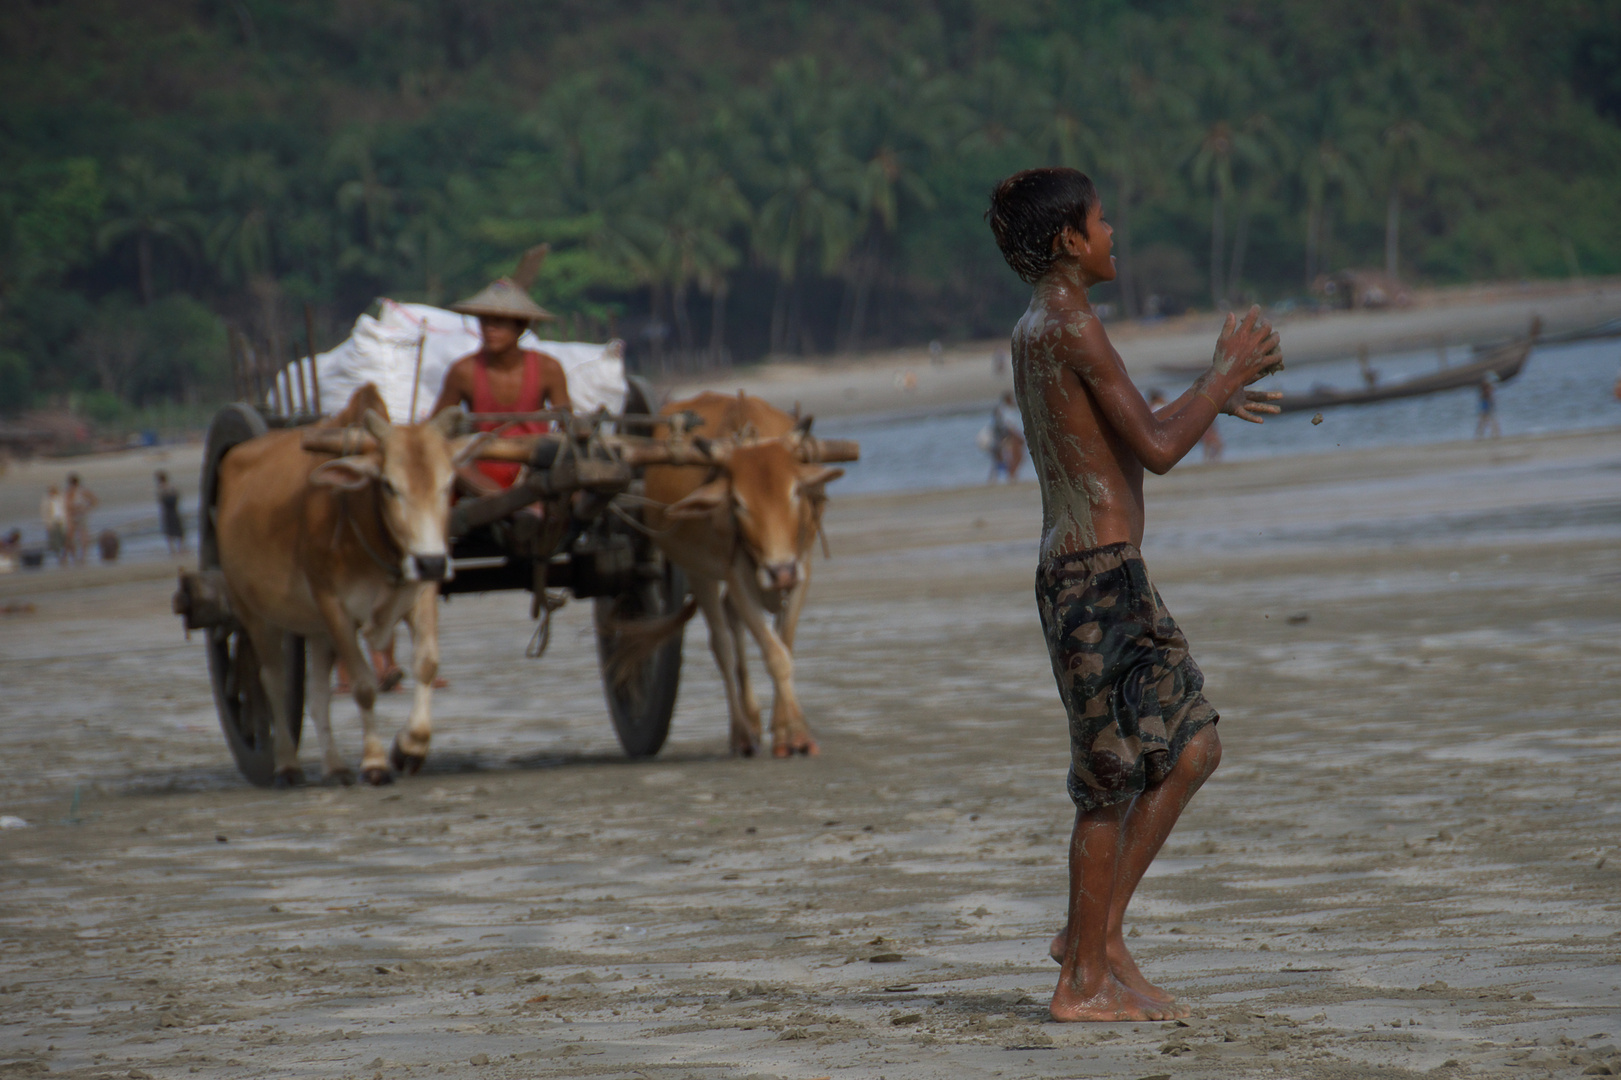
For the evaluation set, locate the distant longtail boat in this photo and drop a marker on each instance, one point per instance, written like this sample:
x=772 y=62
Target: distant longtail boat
x=1504 y=361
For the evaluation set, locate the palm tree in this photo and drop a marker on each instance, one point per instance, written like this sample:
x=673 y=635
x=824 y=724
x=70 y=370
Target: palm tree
x=1213 y=165
x=148 y=206
x=1403 y=119
x=240 y=243
x=674 y=231
x=361 y=197
x=810 y=213
x=1133 y=140
x=1405 y=146
x=1325 y=164
x=894 y=131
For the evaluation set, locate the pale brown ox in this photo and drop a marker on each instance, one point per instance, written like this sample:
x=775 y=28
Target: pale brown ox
x=743 y=532
x=334 y=548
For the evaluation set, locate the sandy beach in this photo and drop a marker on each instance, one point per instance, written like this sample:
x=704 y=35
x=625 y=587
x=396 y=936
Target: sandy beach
x=965 y=375
x=1407 y=865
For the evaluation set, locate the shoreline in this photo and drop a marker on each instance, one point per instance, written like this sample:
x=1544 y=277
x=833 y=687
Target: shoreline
x=1334 y=465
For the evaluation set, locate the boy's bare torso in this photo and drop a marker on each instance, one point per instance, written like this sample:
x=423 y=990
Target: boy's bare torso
x=1091 y=482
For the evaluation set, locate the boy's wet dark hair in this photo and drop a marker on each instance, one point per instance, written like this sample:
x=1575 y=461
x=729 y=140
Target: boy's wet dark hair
x=1029 y=208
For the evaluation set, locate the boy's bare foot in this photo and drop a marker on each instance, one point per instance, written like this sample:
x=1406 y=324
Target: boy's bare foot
x=1122 y=967
x=1111 y=1001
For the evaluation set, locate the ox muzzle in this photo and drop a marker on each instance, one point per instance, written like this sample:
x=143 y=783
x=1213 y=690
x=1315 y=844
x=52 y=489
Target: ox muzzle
x=780 y=576
x=431 y=567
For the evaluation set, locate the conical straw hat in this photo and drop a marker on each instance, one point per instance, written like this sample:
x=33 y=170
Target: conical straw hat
x=503 y=299
x=508 y=297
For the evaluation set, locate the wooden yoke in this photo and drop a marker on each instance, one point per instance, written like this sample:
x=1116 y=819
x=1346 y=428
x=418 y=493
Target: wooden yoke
x=631 y=450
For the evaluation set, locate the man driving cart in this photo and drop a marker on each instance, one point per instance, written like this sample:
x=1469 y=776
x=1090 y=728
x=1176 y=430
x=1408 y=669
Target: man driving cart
x=501 y=377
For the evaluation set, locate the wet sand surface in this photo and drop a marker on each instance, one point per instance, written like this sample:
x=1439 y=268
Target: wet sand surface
x=1406 y=865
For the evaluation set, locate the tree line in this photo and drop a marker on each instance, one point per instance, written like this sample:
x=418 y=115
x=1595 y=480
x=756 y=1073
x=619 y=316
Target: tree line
x=720 y=182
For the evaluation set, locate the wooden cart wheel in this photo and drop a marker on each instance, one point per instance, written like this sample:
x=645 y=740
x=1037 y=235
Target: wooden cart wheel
x=233 y=668
x=641 y=705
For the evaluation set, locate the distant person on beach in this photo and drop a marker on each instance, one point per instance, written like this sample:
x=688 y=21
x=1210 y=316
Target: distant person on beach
x=174 y=527
x=1142 y=737
x=11 y=549
x=1488 y=408
x=80 y=501
x=1005 y=440
x=53 y=513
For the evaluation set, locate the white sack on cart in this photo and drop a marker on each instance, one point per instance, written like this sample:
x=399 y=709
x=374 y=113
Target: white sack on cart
x=384 y=351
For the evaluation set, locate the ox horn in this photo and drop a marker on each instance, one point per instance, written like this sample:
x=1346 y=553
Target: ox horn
x=819 y=451
x=375 y=424
x=342 y=441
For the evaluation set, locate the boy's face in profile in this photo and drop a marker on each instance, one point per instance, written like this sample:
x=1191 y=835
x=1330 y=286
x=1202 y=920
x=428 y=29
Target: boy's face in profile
x=1094 y=251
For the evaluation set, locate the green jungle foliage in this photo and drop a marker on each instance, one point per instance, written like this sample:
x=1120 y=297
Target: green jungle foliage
x=721 y=178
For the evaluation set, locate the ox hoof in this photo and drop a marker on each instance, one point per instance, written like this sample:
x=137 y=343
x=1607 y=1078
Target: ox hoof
x=344 y=776
x=289 y=778
x=405 y=764
x=745 y=749
x=376 y=776
x=806 y=748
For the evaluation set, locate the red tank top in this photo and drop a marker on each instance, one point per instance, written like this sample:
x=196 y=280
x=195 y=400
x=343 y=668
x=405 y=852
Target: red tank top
x=505 y=473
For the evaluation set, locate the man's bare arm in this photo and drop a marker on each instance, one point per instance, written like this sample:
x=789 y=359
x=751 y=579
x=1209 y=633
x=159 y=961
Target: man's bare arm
x=452 y=393
x=555 y=391
x=1244 y=352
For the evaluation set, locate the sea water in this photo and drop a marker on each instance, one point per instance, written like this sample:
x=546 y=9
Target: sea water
x=1561 y=388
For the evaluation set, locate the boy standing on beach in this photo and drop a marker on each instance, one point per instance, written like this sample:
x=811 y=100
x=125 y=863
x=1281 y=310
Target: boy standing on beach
x=1142 y=736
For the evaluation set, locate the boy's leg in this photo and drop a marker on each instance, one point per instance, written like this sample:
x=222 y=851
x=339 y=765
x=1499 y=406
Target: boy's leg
x=1087 y=989
x=1150 y=820
x=1152 y=817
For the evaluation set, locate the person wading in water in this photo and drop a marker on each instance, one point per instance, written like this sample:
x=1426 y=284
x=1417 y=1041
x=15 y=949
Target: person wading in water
x=1142 y=736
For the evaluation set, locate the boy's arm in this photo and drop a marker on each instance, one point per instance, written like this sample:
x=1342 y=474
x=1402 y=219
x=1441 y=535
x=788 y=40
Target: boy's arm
x=1245 y=352
x=1244 y=404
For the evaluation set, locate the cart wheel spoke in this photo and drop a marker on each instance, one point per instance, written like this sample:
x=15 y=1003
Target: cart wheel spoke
x=641 y=705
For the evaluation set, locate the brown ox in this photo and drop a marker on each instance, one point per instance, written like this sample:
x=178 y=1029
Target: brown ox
x=743 y=534
x=330 y=548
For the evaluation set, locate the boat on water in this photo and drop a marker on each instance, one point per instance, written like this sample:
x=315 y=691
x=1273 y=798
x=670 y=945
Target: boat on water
x=1504 y=361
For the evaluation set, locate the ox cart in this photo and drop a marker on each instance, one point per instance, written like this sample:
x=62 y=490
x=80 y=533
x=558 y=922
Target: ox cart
x=589 y=542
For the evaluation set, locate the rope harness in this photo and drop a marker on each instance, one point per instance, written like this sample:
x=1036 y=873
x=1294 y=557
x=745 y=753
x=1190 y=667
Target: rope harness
x=344 y=516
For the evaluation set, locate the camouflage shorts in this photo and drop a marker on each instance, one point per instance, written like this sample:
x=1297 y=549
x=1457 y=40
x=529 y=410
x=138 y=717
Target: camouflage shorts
x=1131 y=689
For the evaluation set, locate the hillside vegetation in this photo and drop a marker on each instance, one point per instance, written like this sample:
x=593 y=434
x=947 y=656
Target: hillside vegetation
x=721 y=179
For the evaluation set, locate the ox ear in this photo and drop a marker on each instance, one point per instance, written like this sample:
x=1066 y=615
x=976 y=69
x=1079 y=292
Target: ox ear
x=813 y=479
x=702 y=502
x=447 y=421
x=466 y=448
x=375 y=424
x=346 y=473
x=803 y=428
